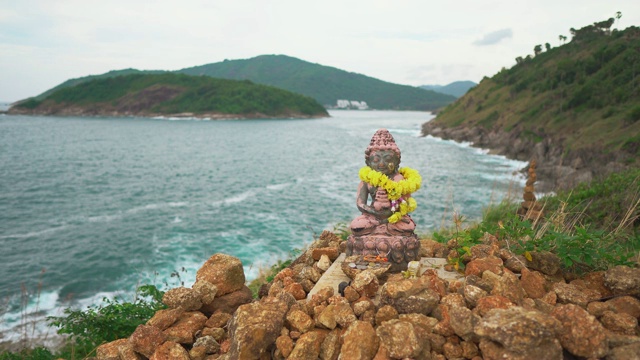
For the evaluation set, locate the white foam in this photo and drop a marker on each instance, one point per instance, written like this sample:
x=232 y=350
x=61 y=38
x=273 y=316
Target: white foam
x=278 y=186
x=33 y=233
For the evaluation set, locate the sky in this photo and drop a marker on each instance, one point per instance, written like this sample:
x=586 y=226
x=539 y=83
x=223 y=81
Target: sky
x=410 y=42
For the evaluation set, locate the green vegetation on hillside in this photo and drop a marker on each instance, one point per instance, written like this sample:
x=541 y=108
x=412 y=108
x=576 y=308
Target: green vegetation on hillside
x=592 y=227
x=169 y=93
x=80 y=80
x=583 y=94
x=323 y=83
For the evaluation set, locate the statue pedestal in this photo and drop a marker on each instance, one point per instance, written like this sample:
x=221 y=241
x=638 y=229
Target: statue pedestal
x=398 y=249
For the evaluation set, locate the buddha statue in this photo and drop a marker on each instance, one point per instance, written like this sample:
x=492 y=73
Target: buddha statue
x=385 y=227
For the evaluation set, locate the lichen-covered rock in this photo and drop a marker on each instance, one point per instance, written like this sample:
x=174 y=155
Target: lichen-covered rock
x=581 y=334
x=170 y=351
x=533 y=283
x=546 y=262
x=331 y=346
x=209 y=343
x=308 y=345
x=145 y=339
x=366 y=283
x=218 y=320
x=625 y=304
x=472 y=294
x=164 y=318
x=548 y=350
x=399 y=338
x=431 y=279
x=409 y=296
x=480 y=265
x=299 y=321
x=324 y=263
x=228 y=303
x=183 y=298
x=330 y=252
x=463 y=321
x=491 y=302
x=254 y=327
x=296 y=290
x=386 y=313
x=344 y=315
x=359 y=342
x=507 y=285
x=626 y=352
x=205 y=291
x=619 y=323
x=327 y=317
x=223 y=271
x=217 y=333
x=285 y=344
x=571 y=294
x=520 y=331
x=361 y=306
x=111 y=350
x=623 y=280
x=185 y=329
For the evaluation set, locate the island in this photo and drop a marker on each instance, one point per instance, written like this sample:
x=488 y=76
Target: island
x=172 y=95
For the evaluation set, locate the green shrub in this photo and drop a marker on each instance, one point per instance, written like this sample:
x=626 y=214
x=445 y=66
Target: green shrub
x=111 y=320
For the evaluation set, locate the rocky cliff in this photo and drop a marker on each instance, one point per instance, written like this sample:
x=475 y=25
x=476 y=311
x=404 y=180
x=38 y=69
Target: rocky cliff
x=506 y=307
x=558 y=167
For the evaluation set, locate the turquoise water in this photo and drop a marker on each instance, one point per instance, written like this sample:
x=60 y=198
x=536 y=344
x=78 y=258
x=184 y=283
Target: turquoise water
x=92 y=207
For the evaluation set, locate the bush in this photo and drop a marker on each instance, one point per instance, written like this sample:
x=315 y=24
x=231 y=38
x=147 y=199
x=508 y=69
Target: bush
x=110 y=321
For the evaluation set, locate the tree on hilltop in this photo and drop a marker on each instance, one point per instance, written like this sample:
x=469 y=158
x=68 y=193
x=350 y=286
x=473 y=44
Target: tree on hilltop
x=537 y=49
x=547 y=46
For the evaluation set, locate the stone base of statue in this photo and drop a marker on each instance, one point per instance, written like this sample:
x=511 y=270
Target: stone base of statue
x=398 y=249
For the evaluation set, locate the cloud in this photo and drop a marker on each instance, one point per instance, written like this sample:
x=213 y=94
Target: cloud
x=494 y=37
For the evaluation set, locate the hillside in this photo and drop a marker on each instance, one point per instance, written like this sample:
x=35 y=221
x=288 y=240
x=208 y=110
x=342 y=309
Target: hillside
x=323 y=83
x=80 y=80
x=576 y=108
x=456 y=88
x=171 y=95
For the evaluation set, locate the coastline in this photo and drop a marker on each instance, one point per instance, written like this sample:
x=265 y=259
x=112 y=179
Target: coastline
x=558 y=168
x=67 y=112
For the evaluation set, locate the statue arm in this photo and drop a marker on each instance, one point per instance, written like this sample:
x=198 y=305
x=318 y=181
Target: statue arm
x=361 y=203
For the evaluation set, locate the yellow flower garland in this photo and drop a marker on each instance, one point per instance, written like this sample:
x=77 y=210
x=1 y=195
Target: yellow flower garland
x=395 y=189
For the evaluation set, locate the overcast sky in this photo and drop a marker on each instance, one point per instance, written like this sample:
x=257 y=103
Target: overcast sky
x=412 y=42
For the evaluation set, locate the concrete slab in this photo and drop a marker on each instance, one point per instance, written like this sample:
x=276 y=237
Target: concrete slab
x=331 y=278
x=334 y=275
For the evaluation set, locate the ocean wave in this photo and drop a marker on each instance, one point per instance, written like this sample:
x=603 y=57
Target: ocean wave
x=34 y=233
x=278 y=186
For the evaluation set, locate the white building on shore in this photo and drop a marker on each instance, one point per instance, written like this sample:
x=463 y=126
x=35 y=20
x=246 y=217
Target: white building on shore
x=351 y=104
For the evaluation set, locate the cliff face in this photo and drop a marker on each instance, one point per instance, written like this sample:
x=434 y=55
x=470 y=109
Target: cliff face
x=574 y=108
x=558 y=167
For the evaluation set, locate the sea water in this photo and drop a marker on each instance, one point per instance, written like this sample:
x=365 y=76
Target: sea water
x=94 y=207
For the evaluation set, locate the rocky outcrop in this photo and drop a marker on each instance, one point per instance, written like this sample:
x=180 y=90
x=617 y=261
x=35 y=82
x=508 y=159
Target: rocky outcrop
x=497 y=311
x=558 y=167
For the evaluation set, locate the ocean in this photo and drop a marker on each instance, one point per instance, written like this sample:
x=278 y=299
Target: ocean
x=94 y=207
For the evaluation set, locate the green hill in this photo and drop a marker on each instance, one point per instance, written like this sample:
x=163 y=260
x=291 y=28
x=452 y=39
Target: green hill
x=456 y=88
x=575 y=107
x=172 y=94
x=323 y=83
x=80 y=80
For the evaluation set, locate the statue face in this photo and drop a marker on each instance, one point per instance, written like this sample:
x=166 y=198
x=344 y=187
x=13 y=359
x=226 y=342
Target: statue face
x=385 y=161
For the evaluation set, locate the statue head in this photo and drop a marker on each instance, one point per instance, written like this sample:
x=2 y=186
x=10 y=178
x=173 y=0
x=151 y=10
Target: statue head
x=383 y=154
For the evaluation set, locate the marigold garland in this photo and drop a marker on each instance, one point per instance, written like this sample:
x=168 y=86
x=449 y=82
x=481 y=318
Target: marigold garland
x=395 y=189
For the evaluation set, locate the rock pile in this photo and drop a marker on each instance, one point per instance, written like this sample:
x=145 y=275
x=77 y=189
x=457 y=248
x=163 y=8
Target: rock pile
x=530 y=209
x=507 y=307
